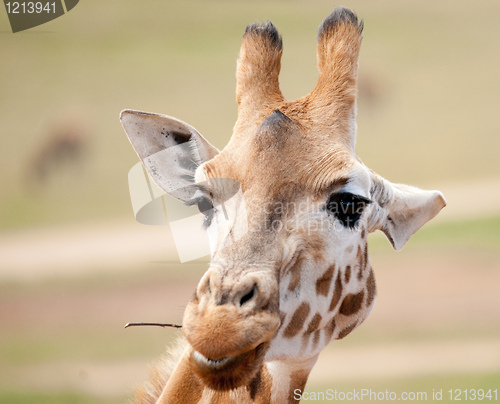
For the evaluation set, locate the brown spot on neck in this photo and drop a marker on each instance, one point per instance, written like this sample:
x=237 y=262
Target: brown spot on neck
x=347 y=274
x=337 y=293
x=298 y=319
x=317 y=336
x=323 y=283
x=352 y=303
x=346 y=331
x=371 y=288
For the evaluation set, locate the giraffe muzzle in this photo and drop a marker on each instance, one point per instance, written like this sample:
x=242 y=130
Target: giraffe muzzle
x=229 y=328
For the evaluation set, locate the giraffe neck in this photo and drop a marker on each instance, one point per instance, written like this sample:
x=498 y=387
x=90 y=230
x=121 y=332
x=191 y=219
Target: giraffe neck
x=347 y=296
x=277 y=382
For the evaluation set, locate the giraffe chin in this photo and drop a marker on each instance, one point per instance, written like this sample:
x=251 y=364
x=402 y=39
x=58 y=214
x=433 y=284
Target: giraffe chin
x=229 y=372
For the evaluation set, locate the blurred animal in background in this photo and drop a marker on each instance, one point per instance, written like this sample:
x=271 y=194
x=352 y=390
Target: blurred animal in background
x=64 y=145
x=372 y=90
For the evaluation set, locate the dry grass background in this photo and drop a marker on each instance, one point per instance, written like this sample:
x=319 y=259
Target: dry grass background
x=427 y=116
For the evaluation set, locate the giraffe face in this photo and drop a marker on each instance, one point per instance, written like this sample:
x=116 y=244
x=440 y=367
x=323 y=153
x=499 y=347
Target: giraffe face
x=298 y=275
x=287 y=205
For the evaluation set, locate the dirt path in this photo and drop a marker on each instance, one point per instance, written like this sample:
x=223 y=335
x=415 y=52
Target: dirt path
x=82 y=250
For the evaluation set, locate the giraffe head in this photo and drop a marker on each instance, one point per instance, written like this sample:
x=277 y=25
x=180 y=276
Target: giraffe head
x=287 y=206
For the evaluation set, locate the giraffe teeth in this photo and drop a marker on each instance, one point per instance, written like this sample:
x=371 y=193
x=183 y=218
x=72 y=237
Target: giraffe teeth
x=215 y=363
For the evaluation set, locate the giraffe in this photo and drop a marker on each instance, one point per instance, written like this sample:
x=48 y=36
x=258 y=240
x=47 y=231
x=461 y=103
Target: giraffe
x=287 y=206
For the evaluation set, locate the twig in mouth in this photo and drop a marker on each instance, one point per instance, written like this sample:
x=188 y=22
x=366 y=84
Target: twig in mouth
x=153 y=324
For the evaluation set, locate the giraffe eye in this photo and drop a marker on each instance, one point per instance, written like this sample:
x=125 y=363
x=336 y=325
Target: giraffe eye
x=206 y=207
x=347 y=207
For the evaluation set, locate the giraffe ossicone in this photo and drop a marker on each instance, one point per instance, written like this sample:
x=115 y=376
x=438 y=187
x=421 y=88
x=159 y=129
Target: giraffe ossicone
x=289 y=270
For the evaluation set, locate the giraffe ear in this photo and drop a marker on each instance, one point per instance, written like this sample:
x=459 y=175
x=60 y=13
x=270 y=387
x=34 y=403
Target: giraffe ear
x=406 y=209
x=170 y=150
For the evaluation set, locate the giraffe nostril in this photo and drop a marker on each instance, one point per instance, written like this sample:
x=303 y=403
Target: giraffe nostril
x=248 y=296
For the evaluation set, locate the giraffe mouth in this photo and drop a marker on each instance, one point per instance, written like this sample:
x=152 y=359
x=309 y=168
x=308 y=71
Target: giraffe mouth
x=229 y=372
x=215 y=364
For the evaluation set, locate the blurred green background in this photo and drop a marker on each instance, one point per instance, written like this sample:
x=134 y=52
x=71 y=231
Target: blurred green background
x=75 y=267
